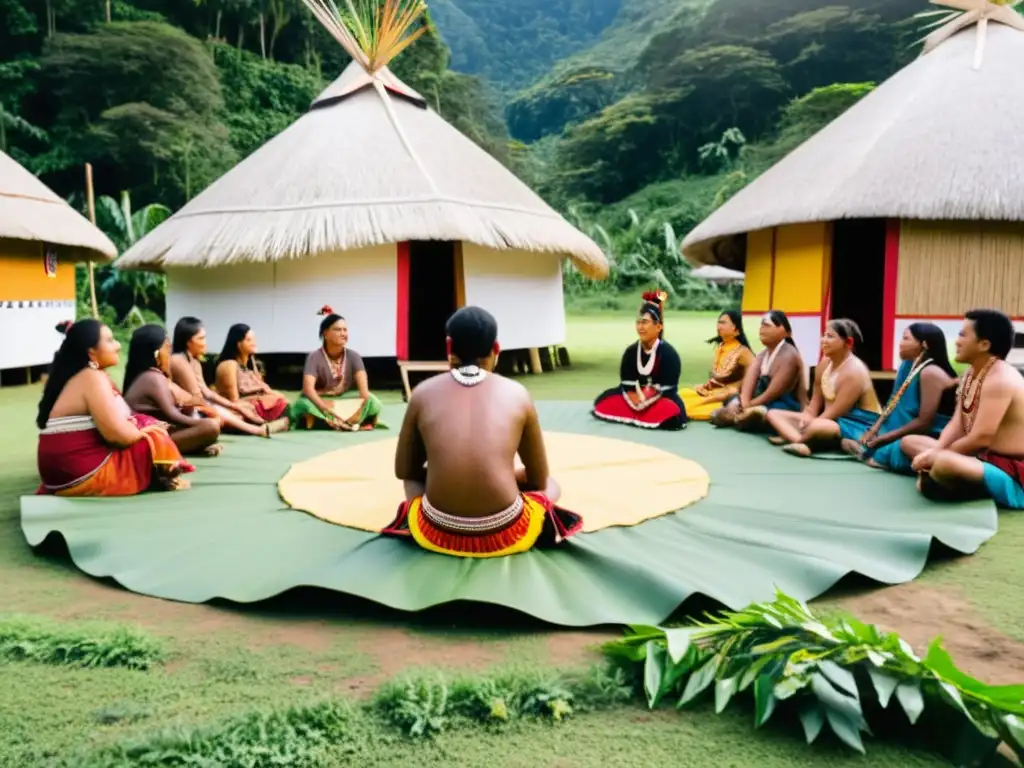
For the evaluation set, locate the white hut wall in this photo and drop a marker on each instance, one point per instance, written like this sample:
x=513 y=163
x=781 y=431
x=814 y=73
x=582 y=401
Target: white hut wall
x=787 y=268
x=946 y=268
x=523 y=291
x=35 y=295
x=280 y=300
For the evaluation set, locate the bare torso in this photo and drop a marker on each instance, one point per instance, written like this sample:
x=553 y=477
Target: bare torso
x=855 y=373
x=471 y=436
x=1009 y=438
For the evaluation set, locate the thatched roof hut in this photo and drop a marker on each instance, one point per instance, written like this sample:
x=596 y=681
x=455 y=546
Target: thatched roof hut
x=41 y=238
x=371 y=203
x=914 y=195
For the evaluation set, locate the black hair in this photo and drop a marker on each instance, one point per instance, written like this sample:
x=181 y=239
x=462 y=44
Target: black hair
x=993 y=326
x=847 y=329
x=778 y=317
x=328 y=321
x=72 y=357
x=938 y=350
x=653 y=305
x=236 y=333
x=142 y=349
x=473 y=331
x=737 y=320
x=184 y=331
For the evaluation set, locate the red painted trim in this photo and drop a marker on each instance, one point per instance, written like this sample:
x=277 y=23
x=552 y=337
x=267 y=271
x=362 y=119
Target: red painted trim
x=826 y=300
x=402 y=303
x=771 y=277
x=944 y=317
x=890 y=280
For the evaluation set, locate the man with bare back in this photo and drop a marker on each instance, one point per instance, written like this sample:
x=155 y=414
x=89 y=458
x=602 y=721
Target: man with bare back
x=467 y=426
x=981 y=452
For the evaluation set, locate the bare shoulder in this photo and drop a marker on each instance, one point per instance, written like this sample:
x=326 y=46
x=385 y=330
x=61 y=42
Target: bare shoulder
x=1004 y=378
x=512 y=388
x=934 y=374
x=227 y=366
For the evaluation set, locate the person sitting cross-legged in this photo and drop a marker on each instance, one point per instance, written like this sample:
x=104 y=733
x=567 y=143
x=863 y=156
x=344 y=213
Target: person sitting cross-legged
x=981 y=452
x=456 y=455
x=844 y=403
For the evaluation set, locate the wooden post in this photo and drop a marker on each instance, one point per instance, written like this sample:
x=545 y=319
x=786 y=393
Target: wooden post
x=91 y=201
x=535 y=366
x=108 y=11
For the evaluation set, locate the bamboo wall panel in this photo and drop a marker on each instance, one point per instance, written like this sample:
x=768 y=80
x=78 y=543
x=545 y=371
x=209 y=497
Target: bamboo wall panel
x=946 y=268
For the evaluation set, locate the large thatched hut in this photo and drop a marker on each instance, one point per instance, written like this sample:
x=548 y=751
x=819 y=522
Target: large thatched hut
x=373 y=204
x=909 y=206
x=41 y=238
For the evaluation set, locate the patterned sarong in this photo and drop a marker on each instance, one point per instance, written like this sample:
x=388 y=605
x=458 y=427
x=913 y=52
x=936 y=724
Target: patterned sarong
x=533 y=521
x=305 y=415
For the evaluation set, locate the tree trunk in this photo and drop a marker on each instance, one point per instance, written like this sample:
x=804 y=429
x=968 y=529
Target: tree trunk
x=263 y=35
x=241 y=35
x=108 y=11
x=216 y=28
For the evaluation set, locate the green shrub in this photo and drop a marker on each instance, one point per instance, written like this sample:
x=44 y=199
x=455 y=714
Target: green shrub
x=44 y=641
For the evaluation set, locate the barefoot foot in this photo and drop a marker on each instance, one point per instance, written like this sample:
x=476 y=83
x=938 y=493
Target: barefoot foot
x=797 y=449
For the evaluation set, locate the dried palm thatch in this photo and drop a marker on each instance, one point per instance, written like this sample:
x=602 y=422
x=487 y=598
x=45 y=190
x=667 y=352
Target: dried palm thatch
x=29 y=210
x=939 y=140
x=369 y=164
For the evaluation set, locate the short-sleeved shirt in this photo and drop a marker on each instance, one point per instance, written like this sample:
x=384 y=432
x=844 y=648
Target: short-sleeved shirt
x=327 y=379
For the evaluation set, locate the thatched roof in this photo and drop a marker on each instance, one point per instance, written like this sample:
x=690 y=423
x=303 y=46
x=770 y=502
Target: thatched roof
x=29 y=210
x=939 y=140
x=716 y=274
x=369 y=164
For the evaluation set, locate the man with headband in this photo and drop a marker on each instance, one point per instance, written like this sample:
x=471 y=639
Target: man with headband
x=456 y=455
x=648 y=391
x=776 y=380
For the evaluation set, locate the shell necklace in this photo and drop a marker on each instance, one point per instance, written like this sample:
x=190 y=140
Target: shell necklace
x=768 y=360
x=645 y=370
x=468 y=375
x=828 y=379
x=969 y=394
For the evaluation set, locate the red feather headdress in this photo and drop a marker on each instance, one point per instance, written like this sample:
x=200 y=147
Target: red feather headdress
x=326 y=310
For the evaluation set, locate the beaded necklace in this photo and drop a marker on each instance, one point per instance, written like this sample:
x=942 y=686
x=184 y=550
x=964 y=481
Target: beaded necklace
x=468 y=375
x=645 y=370
x=969 y=394
x=828 y=379
x=895 y=399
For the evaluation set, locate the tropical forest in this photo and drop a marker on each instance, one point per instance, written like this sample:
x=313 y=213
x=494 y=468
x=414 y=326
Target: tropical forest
x=633 y=118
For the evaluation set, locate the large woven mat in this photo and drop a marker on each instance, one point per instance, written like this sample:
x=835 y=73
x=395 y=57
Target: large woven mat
x=609 y=482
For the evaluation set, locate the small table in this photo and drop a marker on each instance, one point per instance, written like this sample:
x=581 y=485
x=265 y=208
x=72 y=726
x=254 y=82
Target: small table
x=419 y=366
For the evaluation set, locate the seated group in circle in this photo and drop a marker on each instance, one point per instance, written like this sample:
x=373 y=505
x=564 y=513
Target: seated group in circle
x=96 y=441
x=964 y=438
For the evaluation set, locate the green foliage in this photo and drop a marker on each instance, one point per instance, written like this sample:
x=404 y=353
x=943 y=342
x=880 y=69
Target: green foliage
x=27 y=638
x=829 y=671
x=552 y=103
x=298 y=736
x=422 y=706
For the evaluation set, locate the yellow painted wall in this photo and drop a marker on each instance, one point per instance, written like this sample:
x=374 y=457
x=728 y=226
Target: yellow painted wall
x=802 y=263
x=757 y=283
x=23 y=275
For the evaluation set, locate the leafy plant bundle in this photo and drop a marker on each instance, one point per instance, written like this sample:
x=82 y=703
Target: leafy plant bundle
x=827 y=670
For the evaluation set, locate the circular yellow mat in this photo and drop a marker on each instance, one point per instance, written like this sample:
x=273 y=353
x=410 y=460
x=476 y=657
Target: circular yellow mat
x=608 y=482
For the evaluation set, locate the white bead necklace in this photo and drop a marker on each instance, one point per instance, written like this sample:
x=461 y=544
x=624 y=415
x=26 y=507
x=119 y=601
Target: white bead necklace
x=468 y=375
x=645 y=370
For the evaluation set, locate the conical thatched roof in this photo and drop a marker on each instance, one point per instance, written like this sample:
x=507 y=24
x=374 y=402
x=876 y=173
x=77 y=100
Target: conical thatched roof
x=940 y=140
x=369 y=164
x=29 y=210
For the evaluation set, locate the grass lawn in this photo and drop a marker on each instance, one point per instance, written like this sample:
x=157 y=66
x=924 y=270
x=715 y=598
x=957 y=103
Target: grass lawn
x=224 y=660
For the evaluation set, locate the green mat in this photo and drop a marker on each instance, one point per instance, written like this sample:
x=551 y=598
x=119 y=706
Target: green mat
x=770 y=520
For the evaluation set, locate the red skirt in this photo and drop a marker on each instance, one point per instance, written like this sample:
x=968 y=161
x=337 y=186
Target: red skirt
x=268 y=407
x=662 y=412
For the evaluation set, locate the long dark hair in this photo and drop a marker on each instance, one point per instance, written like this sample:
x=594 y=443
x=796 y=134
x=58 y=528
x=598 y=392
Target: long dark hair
x=72 y=357
x=938 y=351
x=236 y=333
x=184 y=331
x=145 y=343
x=847 y=329
x=737 y=320
x=778 y=317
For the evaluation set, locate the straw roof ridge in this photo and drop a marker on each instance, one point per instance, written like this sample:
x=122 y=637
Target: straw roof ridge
x=364 y=169
x=936 y=141
x=29 y=210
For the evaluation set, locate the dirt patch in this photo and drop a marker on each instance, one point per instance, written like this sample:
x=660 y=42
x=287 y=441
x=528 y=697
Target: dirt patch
x=577 y=649
x=396 y=650
x=920 y=614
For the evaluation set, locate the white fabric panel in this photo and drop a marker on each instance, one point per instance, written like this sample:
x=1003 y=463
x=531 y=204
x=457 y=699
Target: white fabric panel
x=280 y=300
x=522 y=290
x=28 y=333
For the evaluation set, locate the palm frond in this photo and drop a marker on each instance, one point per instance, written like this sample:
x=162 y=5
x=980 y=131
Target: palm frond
x=373 y=32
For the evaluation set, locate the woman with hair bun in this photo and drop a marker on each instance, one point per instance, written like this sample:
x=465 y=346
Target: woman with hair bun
x=90 y=441
x=844 y=403
x=647 y=395
x=331 y=371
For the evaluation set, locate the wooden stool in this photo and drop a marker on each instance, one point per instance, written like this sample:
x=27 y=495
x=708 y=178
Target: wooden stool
x=418 y=366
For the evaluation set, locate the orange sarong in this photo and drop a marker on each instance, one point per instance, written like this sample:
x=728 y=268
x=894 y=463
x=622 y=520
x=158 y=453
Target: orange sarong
x=539 y=524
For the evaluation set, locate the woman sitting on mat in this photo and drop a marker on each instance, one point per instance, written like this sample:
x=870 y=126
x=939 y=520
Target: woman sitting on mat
x=844 y=403
x=776 y=380
x=330 y=372
x=240 y=381
x=91 y=444
x=649 y=376
x=147 y=390
x=733 y=357
x=924 y=396
x=188 y=348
